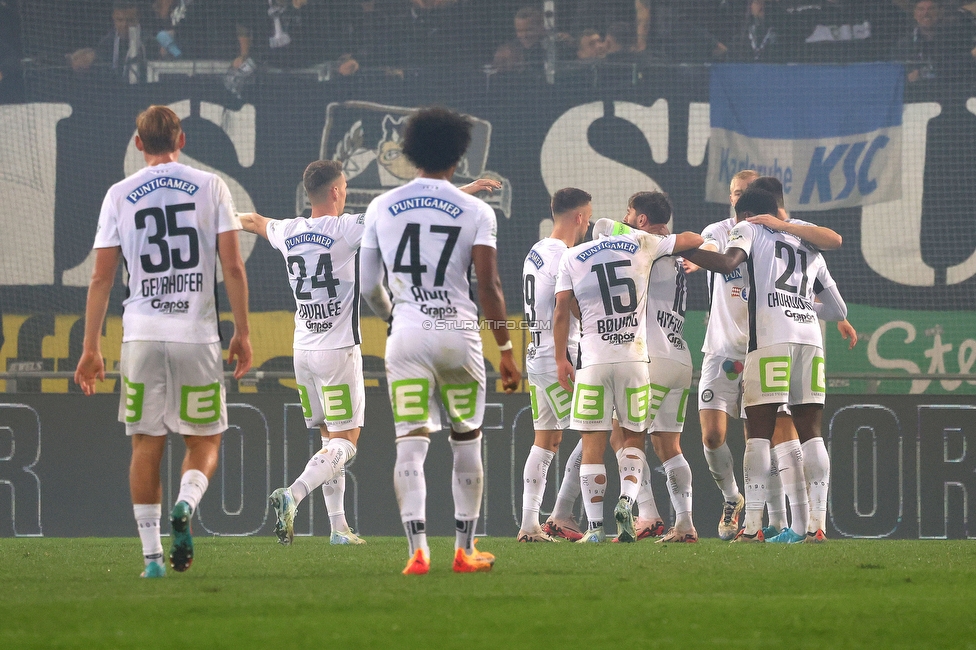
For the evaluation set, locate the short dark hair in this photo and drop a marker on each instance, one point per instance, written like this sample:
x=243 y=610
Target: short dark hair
x=772 y=185
x=320 y=175
x=529 y=13
x=569 y=198
x=656 y=206
x=756 y=201
x=436 y=138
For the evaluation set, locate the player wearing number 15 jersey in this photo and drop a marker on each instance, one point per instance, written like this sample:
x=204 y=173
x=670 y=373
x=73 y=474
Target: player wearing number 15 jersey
x=426 y=235
x=322 y=259
x=169 y=223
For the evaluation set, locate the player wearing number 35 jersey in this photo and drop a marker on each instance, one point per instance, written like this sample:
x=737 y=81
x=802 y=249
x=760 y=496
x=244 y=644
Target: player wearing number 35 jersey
x=169 y=223
x=426 y=235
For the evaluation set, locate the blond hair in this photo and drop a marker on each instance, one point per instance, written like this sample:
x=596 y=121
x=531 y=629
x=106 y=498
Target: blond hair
x=159 y=129
x=747 y=175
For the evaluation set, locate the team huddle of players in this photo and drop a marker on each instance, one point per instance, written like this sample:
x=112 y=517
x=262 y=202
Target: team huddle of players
x=615 y=362
x=607 y=355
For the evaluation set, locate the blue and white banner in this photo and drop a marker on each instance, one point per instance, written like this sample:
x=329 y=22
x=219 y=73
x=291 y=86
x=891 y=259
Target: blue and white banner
x=831 y=134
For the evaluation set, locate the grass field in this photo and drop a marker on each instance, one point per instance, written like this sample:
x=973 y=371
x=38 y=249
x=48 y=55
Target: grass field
x=250 y=592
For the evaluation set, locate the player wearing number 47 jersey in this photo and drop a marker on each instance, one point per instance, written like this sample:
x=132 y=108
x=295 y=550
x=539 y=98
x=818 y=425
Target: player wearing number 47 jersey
x=426 y=235
x=785 y=363
x=169 y=223
x=322 y=259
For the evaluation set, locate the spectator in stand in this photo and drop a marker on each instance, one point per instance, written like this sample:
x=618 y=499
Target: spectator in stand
x=188 y=29
x=673 y=32
x=590 y=46
x=924 y=48
x=11 y=80
x=760 y=39
x=288 y=34
x=527 y=52
x=122 y=52
x=840 y=30
x=621 y=43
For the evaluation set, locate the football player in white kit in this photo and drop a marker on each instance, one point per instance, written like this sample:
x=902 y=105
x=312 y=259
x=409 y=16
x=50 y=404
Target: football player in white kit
x=785 y=363
x=725 y=348
x=322 y=260
x=424 y=236
x=608 y=279
x=669 y=373
x=551 y=403
x=168 y=223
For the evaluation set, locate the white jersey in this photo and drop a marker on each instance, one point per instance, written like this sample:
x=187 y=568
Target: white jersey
x=727 y=332
x=609 y=279
x=424 y=231
x=785 y=273
x=539 y=295
x=166 y=219
x=667 y=297
x=322 y=258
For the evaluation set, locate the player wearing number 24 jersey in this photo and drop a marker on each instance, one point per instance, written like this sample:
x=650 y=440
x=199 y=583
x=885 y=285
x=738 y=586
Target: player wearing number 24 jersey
x=169 y=223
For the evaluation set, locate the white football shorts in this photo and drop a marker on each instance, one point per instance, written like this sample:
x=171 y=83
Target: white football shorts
x=720 y=386
x=604 y=387
x=551 y=403
x=670 y=385
x=786 y=373
x=176 y=387
x=422 y=364
x=331 y=387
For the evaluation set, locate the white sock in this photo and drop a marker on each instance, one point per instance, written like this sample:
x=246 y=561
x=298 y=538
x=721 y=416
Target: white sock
x=147 y=521
x=630 y=463
x=755 y=475
x=789 y=458
x=410 y=485
x=720 y=464
x=193 y=485
x=816 y=469
x=321 y=467
x=334 y=492
x=775 y=497
x=646 y=505
x=467 y=485
x=593 y=485
x=534 y=486
x=678 y=472
x=570 y=488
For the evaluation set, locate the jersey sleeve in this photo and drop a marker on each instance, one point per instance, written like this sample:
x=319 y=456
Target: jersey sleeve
x=487 y=232
x=276 y=234
x=227 y=218
x=823 y=280
x=369 y=238
x=664 y=245
x=741 y=237
x=353 y=227
x=107 y=232
x=711 y=236
x=564 y=277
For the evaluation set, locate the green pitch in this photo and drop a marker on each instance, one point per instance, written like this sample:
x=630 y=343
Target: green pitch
x=250 y=592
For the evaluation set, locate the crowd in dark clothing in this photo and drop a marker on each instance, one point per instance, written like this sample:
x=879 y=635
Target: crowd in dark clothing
x=934 y=38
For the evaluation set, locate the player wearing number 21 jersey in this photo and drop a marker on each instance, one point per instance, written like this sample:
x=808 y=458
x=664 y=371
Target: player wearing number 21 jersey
x=608 y=278
x=426 y=235
x=168 y=223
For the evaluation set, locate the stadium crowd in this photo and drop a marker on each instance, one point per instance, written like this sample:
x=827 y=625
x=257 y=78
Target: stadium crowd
x=935 y=37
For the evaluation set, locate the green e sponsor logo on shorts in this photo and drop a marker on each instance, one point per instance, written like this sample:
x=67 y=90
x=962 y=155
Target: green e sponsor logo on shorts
x=683 y=406
x=306 y=405
x=409 y=398
x=200 y=404
x=534 y=400
x=134 y=393
x=460 y=400
x=819 y=378
x=774 y=374
x=657 y=395
x=336 y=403
x=588 y=402
x=561 y=400
x=637 y=400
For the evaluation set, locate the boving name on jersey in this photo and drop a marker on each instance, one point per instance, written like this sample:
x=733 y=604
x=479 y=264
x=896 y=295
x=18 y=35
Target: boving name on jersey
x=610 y=328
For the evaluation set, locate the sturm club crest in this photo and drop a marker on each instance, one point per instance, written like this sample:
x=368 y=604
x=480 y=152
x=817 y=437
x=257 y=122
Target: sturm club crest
x=367 y=139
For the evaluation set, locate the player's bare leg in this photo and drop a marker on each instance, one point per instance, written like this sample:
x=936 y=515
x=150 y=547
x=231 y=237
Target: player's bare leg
x=593 y=483
x=714 y=425
x=816 y=466
x=534 y=477
x=667 y=446
x=147 y=492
